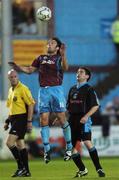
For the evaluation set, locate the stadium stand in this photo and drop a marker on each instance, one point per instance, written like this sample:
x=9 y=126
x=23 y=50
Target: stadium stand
x=27 y=50
x=110 y=96
x=85 y=43
x=84 y=40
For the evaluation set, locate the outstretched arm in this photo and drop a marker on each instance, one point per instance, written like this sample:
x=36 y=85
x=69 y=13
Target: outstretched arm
x=25 y=69
x=63 y=56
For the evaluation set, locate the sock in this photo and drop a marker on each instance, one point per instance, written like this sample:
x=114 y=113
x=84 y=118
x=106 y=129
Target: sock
x=78 y=161
x=45 y=137
x=67 y=135
x=94 y=156
x=24 y=157
x=16 y=154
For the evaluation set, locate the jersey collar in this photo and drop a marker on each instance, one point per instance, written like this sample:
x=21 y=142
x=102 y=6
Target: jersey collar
x=19 y=83
x=80 y=84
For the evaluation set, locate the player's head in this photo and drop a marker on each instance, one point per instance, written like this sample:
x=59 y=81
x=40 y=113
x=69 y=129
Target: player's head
x=54 y=45
x=83 y=74
x=13 y=77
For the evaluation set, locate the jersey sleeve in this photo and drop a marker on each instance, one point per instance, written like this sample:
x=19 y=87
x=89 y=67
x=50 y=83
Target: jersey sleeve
x=27 y=96
x=8 y=99
x=68 y=99
x=36 y=62
x=7 y=103
x=92 y=98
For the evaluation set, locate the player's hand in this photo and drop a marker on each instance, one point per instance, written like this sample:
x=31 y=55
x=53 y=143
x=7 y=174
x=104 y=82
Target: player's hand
x=7 y=121
x=6 y=126
x=14 y=66
x=62 y=49
x=84 y=119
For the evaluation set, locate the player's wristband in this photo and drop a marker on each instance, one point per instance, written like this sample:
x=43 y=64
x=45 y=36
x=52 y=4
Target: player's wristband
x=29 y=121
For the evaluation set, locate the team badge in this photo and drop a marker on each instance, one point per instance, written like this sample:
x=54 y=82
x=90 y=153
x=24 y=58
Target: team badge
x=15 y=98
x=75 y=96
x=45 y=57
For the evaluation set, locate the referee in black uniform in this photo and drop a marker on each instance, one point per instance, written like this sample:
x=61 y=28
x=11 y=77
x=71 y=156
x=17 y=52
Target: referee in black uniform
x=82 y=104
x=20 y=104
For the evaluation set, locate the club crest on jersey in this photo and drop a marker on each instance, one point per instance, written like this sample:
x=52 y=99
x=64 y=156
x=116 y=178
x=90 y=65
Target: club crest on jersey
x=45 y=57
x=75 y=96
x=15 y=98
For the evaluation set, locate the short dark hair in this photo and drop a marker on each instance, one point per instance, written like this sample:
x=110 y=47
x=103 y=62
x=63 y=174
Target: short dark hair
x=87 y=71
x=59 y=43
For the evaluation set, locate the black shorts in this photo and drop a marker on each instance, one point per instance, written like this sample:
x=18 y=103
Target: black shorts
x=18 y=125
x=77 y=130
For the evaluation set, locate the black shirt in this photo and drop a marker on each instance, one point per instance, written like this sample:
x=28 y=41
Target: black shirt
x=82 y=99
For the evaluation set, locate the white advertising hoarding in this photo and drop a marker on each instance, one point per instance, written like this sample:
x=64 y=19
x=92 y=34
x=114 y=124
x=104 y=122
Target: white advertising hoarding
x=108 y=146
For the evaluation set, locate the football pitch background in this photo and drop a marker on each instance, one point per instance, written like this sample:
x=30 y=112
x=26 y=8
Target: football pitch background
x=57 y=169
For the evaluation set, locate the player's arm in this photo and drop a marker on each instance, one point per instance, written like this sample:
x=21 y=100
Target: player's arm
x=91 y=111
x=7 y=121
x=29 y=117
x=68 y=100
x=30 y=112
x=28 y=69
x=63 y=56
x=94 y=105
x=88 y=114
x=28 y=99
x=25 y=69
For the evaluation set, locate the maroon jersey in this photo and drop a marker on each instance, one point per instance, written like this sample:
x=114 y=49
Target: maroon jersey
x=50 y=70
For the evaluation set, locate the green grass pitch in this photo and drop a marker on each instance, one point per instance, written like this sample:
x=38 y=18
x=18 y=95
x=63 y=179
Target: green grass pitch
x=57 y=169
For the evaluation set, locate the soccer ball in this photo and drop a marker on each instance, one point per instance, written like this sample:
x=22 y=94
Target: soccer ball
x=43 y=13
